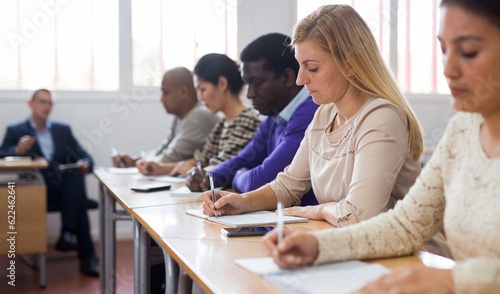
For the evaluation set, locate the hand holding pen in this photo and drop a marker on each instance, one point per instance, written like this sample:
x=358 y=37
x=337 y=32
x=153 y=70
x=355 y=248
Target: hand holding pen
x=116 y=158
x=226 y=202
x=294 y=250
x=142 y=165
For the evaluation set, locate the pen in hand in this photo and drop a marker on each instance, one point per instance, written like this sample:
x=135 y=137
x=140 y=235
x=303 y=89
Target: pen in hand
x=213 y=192
x=114 y=153
x=143 y=158
x=198 y=165
x=280 y=224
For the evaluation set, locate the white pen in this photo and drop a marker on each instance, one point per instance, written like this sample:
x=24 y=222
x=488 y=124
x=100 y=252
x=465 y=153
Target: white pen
x=114 y=152
x=213 y=192
x=198 y=164
x=280 y=222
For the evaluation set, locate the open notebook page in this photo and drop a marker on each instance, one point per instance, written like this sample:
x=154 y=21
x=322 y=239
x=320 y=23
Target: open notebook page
x=257 y=218
x=336 y=278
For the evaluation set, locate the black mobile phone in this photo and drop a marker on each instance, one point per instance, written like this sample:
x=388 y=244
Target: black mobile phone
x=246 y=231
x=150 y=188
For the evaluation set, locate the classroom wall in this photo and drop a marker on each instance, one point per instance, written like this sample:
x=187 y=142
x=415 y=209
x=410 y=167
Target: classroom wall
x=131 y=124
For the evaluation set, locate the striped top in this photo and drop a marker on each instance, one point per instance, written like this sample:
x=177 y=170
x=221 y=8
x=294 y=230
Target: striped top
x=227 y=138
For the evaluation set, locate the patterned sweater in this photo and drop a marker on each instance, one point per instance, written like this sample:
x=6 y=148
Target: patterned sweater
x=227 y=138
x=459 y=189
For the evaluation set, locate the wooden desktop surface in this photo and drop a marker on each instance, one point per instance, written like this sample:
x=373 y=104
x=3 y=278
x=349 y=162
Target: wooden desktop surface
x=119 y=186
x=38 y=162
x=198 y=247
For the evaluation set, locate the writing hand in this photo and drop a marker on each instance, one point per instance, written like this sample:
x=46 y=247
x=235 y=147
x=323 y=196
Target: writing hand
x=117 y=161
x=296 y=249
x=148 y=168
x=196 y=183
x=123 y=160
x=182 y=168
x=226 y=203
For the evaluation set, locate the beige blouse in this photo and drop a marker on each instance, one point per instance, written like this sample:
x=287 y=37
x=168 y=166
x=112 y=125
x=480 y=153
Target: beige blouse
x=459 y=189
x=365 y=165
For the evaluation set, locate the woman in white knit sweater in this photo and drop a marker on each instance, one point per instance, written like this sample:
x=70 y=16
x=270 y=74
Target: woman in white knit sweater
x=458 y=190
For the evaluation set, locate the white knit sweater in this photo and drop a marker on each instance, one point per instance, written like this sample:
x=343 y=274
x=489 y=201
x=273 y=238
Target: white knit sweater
x=458 y=189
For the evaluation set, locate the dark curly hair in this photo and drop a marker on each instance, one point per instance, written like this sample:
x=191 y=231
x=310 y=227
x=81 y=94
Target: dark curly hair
x=274 y=49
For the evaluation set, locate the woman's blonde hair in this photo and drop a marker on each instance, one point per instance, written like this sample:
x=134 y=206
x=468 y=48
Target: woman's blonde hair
x=340 y=30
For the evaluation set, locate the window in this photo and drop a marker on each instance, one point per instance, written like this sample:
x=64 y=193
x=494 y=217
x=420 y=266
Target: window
x=62 y=45
x=415 y=57
x=166 y=34
x=419 y=57
x=77 y=45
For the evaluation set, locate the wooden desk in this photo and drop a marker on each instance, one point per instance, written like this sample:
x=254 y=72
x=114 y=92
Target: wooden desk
x=30 y=210
x=118 y=185
x=197 y=246
x=30 y=219
x=36 y=163
x=194 y=244
x=116 y=188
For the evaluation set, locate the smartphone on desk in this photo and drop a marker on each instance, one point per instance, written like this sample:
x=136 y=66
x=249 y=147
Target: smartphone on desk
x=150 y=188
x=247 y=231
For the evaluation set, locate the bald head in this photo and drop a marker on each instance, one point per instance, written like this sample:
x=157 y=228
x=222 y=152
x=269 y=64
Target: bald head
x=178 y=92
x=181 y=76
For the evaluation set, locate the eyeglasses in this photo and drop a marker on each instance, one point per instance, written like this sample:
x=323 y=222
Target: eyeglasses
x=44 y=102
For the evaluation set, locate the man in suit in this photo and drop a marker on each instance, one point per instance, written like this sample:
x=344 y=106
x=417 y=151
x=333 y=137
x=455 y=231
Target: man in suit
x=65 y=188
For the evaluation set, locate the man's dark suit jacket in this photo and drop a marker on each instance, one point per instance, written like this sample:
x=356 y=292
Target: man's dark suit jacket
x=66 y=148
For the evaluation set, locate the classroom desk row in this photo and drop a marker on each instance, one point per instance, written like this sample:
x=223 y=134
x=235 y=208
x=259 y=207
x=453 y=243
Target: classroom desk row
x=188 y=242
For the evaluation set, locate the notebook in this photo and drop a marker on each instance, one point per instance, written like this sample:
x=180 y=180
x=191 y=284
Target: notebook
x=167 y=179
x=334 y=278
x=18 y=159
x=257 y=218
x=68 y=166
x=120 y=171
x=184 y=191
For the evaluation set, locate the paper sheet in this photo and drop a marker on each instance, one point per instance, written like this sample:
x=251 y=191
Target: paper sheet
x=336 y=278
x=167 y=179
x=184 y=191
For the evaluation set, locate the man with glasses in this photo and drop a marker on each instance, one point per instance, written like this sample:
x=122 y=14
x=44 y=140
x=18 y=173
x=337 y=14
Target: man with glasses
x=39 y=136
